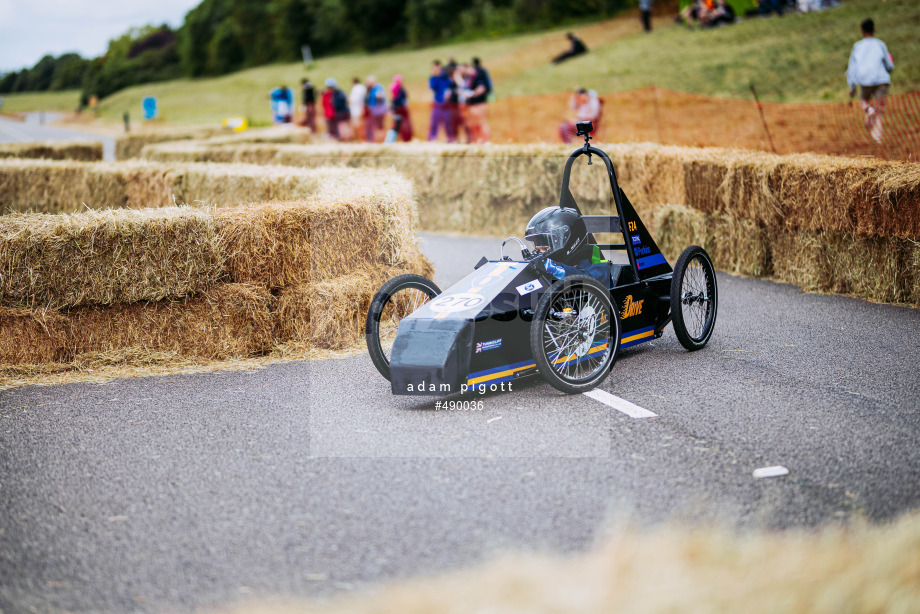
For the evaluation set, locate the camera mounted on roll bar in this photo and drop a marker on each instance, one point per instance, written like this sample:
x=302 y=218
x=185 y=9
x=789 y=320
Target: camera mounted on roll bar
x=585 y=128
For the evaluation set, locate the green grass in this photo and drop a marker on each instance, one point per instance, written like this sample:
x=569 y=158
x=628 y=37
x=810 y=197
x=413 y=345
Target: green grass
x=793 y=58
x=246 y=93
x=66 y=100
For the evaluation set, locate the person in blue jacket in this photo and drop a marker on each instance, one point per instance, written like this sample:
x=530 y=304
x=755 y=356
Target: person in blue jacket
x=560 y=234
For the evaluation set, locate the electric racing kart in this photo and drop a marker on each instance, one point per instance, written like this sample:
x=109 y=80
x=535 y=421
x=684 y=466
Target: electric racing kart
x=510 y=318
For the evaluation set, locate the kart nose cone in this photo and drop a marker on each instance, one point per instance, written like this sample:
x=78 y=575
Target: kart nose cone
x=430 y=356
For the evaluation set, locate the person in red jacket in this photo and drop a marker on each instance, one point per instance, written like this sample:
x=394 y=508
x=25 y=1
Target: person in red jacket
x=329 y=109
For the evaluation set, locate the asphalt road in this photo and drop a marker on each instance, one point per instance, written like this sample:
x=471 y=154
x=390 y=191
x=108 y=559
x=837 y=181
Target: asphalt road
x=309 y=478
x=37 y=128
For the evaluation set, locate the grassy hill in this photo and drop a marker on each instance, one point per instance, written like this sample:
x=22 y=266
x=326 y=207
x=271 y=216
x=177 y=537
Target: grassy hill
x=793 y=58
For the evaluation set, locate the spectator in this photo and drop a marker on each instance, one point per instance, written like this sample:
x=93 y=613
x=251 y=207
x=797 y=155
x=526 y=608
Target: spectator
x=399 y=103
x=870 y=67
x=282 y=104
x=577 y=48
x=587 y=107
x=440 y=85
x=696 y=13
x=480 y=87
x=342 y=115
x=723 y=13
x=308 y=98
x=356 y=104
x=328 y=108
x=645 y=12
x=463 y=81
x=376 y=105
x=766 y=7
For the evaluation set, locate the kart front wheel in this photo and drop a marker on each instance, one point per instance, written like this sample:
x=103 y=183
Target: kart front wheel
x=575 y=334
x=395 y=300
x=694 y=298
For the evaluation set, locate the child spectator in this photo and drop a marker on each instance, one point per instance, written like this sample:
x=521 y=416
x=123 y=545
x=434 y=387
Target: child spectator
x=356 y=104
x=308 y=98
x=587 y=107
x=869 y=68
x=399 y=103
x=480 y=87
x=328 y=109
x=440 y=85
x=376 y=105
x=722 y=14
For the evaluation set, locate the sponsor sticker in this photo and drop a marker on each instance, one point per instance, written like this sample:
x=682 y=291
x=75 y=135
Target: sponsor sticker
x=636 y=239
x=529 y=287
x=485 y=346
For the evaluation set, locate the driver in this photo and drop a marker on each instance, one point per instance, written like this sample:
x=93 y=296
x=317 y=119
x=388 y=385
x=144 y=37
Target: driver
x=561 y=235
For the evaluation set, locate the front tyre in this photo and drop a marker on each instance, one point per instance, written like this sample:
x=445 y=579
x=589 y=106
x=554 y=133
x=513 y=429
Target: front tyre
x=575 y=334
x=694 y=298
x=395 y=300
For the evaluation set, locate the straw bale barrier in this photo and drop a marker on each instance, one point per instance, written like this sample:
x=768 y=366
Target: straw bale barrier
x=131 y=145
x=743 y=206
x=54 y=150
x=44 y=186
x=125 y=256
x=203 y=283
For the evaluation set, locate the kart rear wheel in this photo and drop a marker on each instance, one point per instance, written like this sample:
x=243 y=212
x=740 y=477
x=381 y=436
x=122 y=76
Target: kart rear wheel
x=575 y=334
x=694 y=298
x=395 y=300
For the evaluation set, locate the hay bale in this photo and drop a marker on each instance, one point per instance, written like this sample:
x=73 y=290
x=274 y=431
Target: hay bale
x=130 y=145
x=32 y=336
x=493 y=189
x=331 y=314
x=872 y=268
x=54 y=150
x=104 y=257
x=735 y=245
x=227 y=321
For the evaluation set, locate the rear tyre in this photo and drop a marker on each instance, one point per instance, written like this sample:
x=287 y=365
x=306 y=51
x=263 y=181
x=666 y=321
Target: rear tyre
x=694 y=298
x=575 y=334
x=395 y=300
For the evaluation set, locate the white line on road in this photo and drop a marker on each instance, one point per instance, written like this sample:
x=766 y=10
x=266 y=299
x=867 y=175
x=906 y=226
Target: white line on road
x=630 y=409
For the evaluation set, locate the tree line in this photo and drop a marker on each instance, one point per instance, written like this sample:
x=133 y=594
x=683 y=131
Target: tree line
x=222 y=36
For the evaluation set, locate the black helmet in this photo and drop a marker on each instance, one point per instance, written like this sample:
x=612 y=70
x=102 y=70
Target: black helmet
x=558 y=232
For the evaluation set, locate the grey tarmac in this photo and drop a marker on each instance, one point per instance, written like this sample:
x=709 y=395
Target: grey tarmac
x=309 y=478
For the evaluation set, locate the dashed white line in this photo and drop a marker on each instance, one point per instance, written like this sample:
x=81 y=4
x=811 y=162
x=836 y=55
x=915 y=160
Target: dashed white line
x=630 y=409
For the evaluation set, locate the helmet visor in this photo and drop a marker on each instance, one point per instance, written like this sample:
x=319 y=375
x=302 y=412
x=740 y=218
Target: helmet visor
x=549 y=241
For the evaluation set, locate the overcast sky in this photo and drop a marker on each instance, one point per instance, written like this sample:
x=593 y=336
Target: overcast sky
x=30 y=29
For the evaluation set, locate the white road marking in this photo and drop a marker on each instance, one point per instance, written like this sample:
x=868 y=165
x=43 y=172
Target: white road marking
x=771 y=472
x=630 y=409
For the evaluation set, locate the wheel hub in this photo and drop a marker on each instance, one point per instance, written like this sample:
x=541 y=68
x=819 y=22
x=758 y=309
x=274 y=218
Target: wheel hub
x=587 y=324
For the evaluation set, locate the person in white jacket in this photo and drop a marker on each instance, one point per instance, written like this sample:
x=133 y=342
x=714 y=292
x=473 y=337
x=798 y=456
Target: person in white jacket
x=356 y=105
x=870 y=67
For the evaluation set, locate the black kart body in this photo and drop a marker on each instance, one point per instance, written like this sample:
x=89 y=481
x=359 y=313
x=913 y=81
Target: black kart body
x=477 y=333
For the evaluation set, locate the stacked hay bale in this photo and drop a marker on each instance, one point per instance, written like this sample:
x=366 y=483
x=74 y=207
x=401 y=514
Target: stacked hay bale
x=54 y=150
x=130 y=145
x=204 y=283
x=830 y=224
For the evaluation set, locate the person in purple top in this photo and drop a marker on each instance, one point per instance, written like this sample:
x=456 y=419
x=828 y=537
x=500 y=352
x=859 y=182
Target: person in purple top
x=440 y=84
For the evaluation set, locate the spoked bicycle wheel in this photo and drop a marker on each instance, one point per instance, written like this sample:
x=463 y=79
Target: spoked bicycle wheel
x=575 y=334
x=694 y=298
x=395 y=300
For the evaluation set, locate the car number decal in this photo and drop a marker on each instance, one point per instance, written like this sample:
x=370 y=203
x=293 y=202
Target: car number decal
x=456 y=302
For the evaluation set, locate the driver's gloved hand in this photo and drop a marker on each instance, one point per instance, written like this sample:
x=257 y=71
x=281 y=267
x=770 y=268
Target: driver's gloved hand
x=553 y=269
